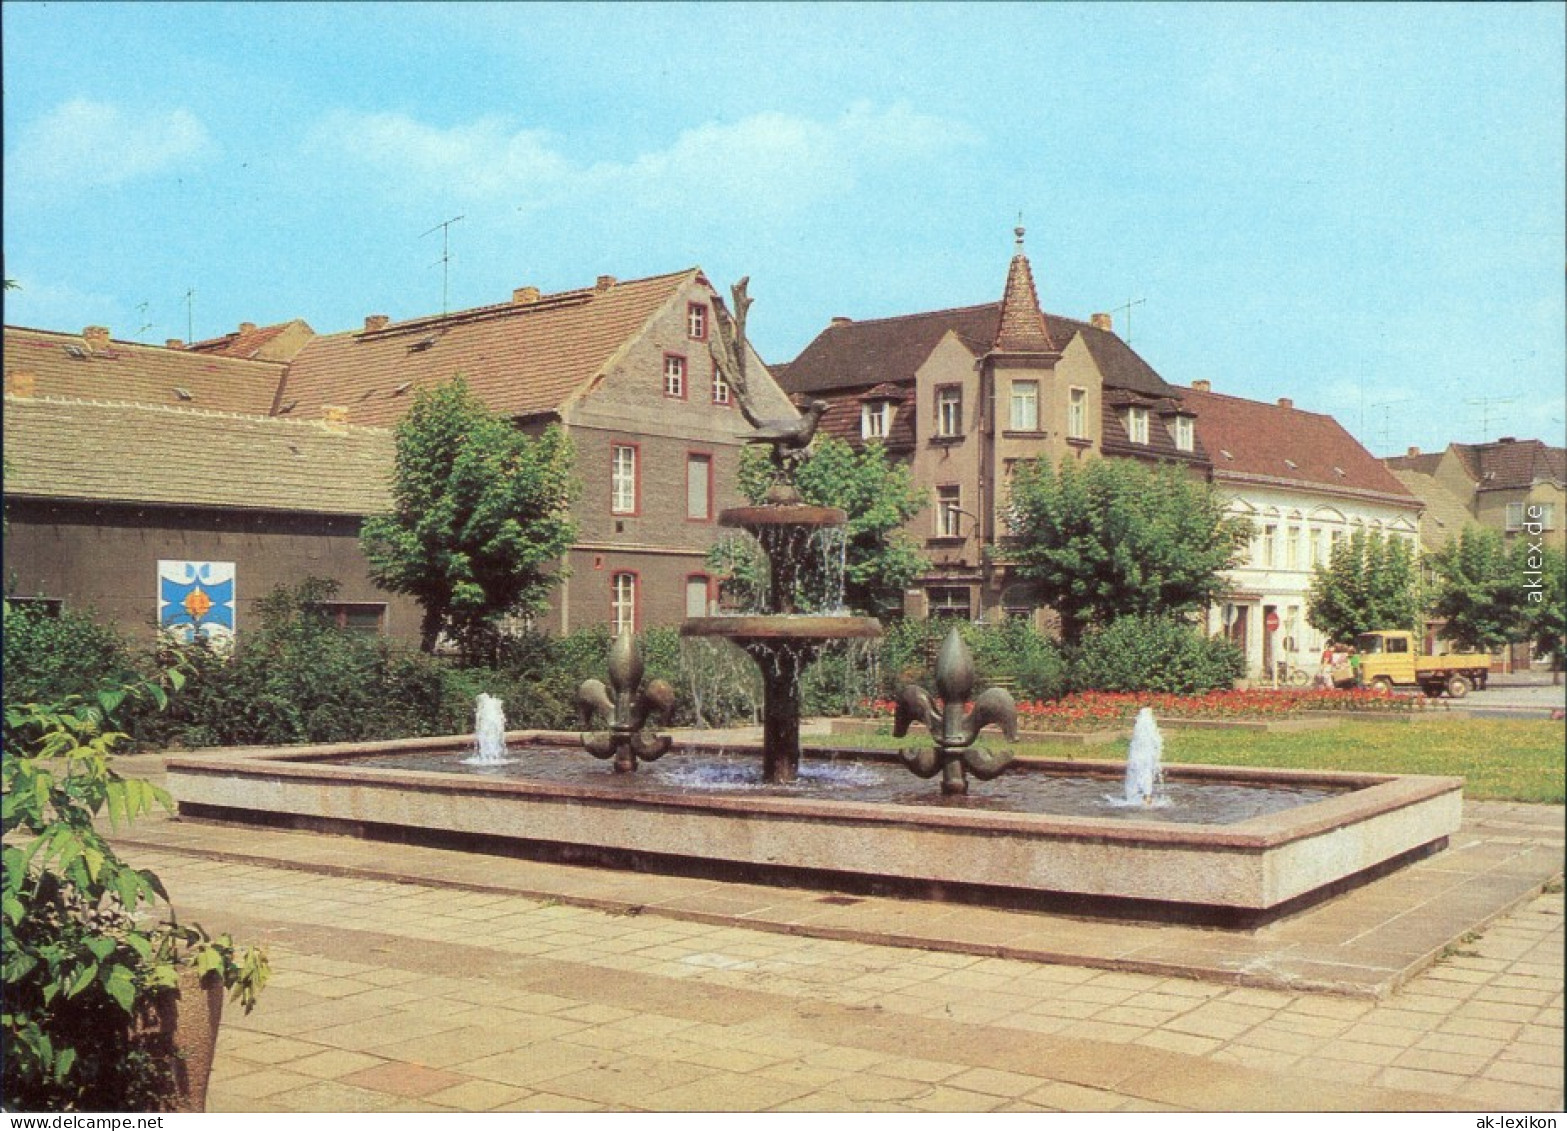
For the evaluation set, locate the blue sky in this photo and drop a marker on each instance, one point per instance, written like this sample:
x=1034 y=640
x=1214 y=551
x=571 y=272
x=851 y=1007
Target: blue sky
x=1357 y=206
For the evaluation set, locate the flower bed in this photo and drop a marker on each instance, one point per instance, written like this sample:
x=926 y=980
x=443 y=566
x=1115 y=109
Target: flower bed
x=1101 y=710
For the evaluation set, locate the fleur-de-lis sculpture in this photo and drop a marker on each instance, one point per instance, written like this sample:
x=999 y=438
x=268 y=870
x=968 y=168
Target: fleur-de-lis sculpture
x=631 y=709
x=952 y=731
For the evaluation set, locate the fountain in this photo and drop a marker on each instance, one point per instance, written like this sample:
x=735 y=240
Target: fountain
x=489 y=732
x=1002 y=846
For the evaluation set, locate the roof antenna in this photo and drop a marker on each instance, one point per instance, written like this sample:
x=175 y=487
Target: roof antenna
x=1485 y=404
x=145 y=325
x=190 y=316
x=1127 y=308
x=445 y=228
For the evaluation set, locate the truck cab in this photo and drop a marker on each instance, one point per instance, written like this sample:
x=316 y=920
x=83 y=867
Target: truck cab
x=1390 y=659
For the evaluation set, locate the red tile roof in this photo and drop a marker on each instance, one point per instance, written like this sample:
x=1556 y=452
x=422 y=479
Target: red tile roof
x=843 y=415
x=520 y=358
x=852 y=355
x=45 y=363
x=250 y=340
x=1114 y=440
x=1262 y=442
x=1021 y=327
x=1509 y=465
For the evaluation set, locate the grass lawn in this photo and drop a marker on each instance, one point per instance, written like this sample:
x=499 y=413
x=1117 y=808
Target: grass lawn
x=1499 y=759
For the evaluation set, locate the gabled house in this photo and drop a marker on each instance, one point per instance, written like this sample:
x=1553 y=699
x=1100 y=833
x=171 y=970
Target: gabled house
x=964 y=394
x=1305 y=484
x=625 y=367
x=1509 y=485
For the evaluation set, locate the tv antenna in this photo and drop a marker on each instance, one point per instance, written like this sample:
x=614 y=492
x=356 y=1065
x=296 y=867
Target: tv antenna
x=1387 y=419
x=190 y=316
x=141 y=309
x=1485 y=404
x=445 y=228
x=1126 y=307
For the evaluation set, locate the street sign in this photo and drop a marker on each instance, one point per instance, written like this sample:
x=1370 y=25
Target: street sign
x=1271 y=621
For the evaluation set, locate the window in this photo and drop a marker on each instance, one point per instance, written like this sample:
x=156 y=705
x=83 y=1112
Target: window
x=368 y=617
x=1077 y=414
x=1544 y=514
x=720 y=388
x=1317 y=557
x=623 y=602
x=699 y=487
x=1397 y=644
x=696 y=321
x=949 y=517
x=623 y=480
x=1514 y=516
x=1137 y=425
x=1184 y=436
x=949 y=410
x=876 y=420
x=1270 y=535
x=698 y=587
x=39 y=606
x=674 y=375
x=1025 y=406
x=1292 y=547
x=949 y=601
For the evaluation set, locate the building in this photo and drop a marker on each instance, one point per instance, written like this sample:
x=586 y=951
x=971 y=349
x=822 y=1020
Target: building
x=625 y=367
x=964 y=394
x=1497 y=485
x=1305 y=484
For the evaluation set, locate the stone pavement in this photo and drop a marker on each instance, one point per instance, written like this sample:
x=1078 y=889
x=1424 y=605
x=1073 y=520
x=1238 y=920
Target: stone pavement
x=425 y=992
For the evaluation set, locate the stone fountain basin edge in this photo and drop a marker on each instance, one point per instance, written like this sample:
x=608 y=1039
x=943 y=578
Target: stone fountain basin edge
x=1237 y=874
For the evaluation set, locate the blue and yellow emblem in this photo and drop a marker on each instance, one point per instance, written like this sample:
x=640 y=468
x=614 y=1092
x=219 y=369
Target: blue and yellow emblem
x=196 y=598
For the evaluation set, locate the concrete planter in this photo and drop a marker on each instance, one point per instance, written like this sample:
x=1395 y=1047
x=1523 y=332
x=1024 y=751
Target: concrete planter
x=180 y=1028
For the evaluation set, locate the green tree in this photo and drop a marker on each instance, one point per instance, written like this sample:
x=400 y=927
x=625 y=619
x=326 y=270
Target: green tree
x=1369 y=583
x=1543 y=578
x=1113 y=538
x=879 y=496
x=481 y=514
x=1479 y=591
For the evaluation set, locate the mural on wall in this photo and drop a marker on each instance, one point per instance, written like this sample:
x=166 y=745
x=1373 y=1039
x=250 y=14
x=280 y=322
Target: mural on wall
x=197 y=598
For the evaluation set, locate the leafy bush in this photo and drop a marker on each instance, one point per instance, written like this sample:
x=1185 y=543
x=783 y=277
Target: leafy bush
x=1154 y=653
x=48 y=657
x=81 y=963
x=1011 y=652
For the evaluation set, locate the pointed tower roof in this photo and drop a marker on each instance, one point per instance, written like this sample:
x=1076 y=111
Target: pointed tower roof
x=1022 y=328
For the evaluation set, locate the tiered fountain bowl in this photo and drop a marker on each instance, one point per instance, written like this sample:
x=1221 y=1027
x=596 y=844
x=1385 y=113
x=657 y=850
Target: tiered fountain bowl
x=791 y=632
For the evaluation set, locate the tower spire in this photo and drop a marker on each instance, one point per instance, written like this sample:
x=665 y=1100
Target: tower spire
x=1021 y=328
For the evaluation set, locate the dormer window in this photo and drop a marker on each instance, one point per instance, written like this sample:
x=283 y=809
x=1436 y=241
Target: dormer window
x=875 y=420
x=949 y=410
x=1137 y=424
x=1185 y=439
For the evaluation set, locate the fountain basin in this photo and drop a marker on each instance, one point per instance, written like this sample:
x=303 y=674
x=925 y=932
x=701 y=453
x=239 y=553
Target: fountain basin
x=804 y=627
x=1239 y=874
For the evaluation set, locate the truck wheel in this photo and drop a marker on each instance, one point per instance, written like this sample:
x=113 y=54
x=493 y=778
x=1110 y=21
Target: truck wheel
x=1459 y=686
x=1382 y=685
x=1432 y=690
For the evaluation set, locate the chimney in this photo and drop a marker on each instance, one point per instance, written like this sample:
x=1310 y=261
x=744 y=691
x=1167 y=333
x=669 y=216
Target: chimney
x=247 y=327
x=525 y=296
x=22 y=383
x=1100 y=321
x=1499 y=440
x=1285 y=402
x=1412 y=452
x=335 y=417
x=1202 y=386
x=96 y=337
x=174 y=343
x=841 y=320
x=604 y=283
x=374 y=322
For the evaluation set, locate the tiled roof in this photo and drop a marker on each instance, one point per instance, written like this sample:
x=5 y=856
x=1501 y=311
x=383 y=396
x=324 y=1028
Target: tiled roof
x=520 y=358
x=843 y=415
x=151 y=454
x=1424 y=464
x=1269 y=442
x=1445 y=513
x=255 y=341
x=1114 y=441
x=1513 y=464
x=1020 y=326
x=45 y=363
x=856 y=354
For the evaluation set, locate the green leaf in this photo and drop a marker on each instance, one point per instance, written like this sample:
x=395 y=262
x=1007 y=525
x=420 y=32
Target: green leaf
x=84 y=978
x=120 y=986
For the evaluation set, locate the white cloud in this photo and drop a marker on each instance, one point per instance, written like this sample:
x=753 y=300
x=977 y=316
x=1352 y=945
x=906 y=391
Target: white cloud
x=785 y=159
x=83 y=143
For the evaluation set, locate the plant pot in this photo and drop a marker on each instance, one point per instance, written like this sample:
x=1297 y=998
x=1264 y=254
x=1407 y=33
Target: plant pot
x=180 y=1028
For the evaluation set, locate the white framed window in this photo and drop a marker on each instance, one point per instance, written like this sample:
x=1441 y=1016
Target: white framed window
x=875 y=420
x=623 y=602
x=1270 y=537
x=1077 y=414
x=1025 y=406
x=1515 y=512
x=949 y=516
x=696 y=321
x=1316 y=556
x=1292 y=547
x=1545 y=515
x=1185 y=434
x=1137 y=424
x=699 y=487
x=720 y=388
x=949 y=410
x=623 y=479
x=674 y=375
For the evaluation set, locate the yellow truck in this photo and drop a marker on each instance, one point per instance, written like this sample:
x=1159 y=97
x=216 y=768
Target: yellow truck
x=1392 y=659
